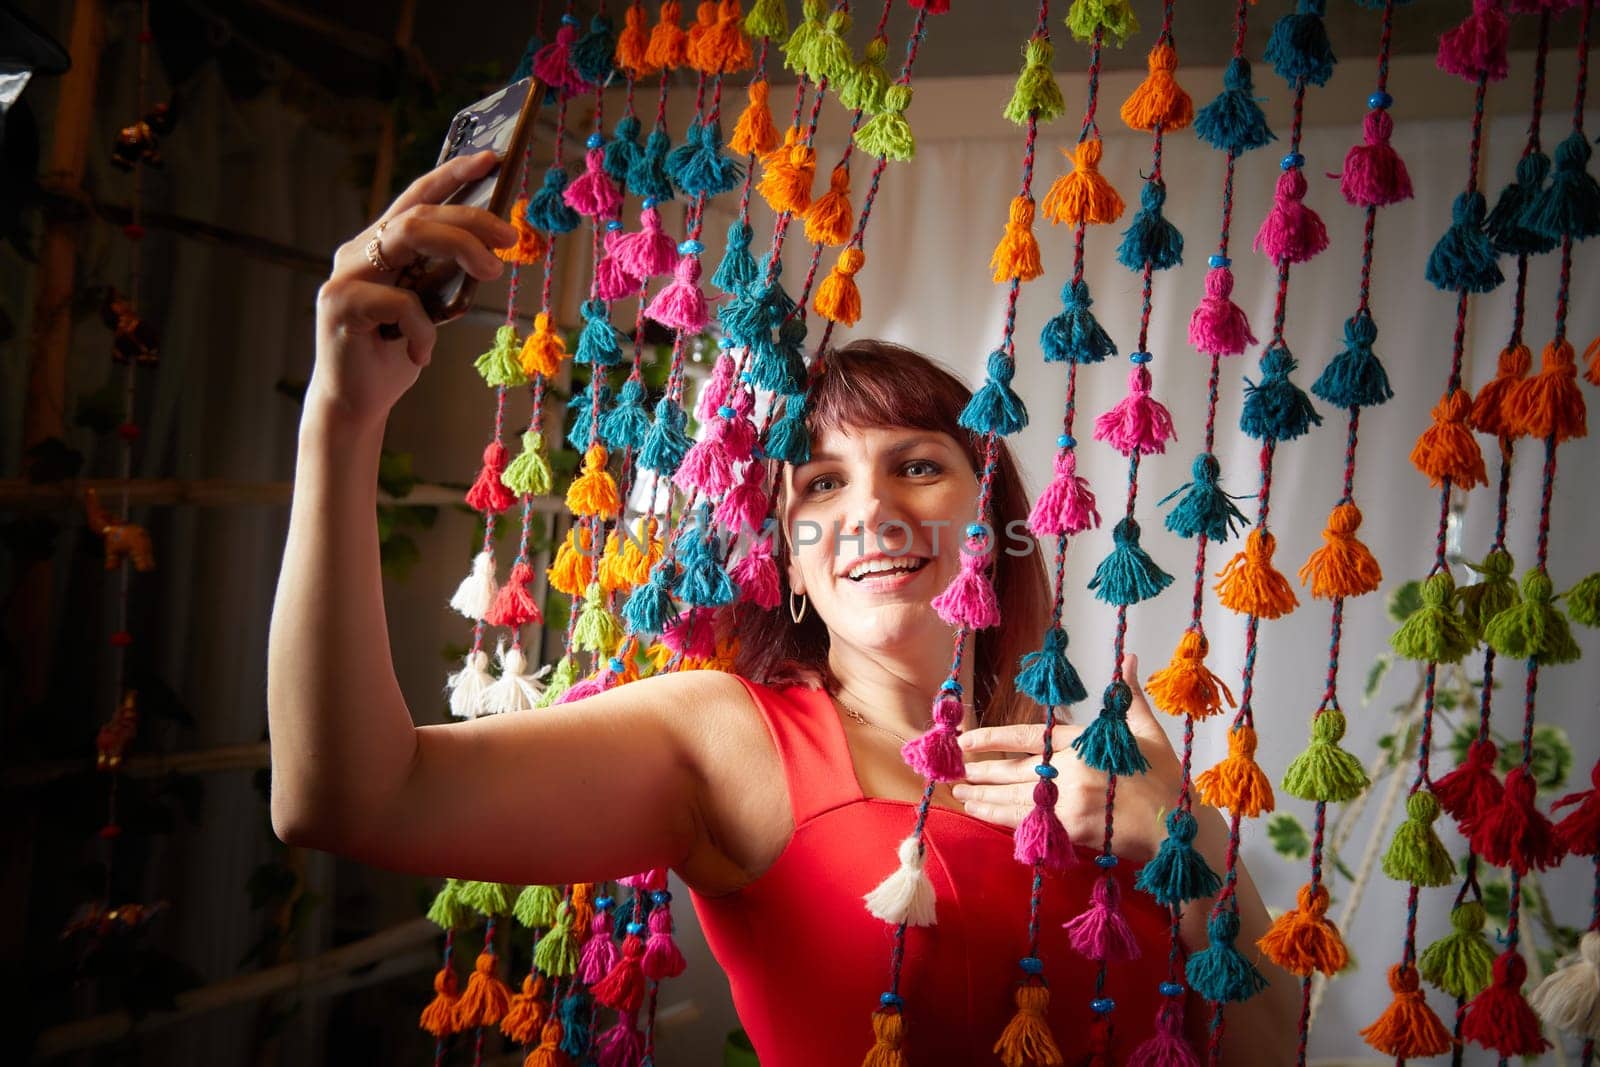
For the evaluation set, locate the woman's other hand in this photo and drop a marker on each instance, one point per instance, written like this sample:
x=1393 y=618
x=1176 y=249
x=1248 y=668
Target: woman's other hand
x=1001 y=790
x=358 y=374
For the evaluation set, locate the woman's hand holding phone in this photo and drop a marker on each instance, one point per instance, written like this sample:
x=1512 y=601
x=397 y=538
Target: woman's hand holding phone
x=359 y=375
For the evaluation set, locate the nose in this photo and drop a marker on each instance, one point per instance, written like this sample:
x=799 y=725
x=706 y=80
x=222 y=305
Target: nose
x=875 y=517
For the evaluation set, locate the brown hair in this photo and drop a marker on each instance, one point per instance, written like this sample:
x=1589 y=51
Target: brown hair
x=870 y=384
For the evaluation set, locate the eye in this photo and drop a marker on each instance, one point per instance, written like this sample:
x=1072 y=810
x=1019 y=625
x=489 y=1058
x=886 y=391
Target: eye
x=927 y=466
x=820 y=483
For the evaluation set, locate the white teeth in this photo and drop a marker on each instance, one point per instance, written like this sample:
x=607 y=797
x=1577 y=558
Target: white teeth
x=878 y=566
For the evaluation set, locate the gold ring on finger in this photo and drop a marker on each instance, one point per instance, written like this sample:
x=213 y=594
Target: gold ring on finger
x=375 y=250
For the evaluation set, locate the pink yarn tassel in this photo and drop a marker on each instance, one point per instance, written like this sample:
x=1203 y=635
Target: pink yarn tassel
x=1139 y=423
x=552 y=64
x=936 y=755
x=1167 y=1046
x=1291 y=232
x=745 y=507
x=757 y=576
x=969 y=600
x=1477 y=47
x=661 y=956
x=1101 y=932
x=622 y=1045
x=599 y=953
x=593 y=193
x=1041 y=838
x=707 y=466
x=1218 y=326
x=1374 y=174
x=681 y=305
x=612 y=279
x=693 y=635
x=716 y=388
x=650 y=251
x=588 y=687
x=1067 y=504
x=739 y=436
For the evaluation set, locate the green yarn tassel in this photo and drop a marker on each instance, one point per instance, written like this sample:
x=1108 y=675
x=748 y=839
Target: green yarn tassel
x=529 y=473
x=1485 y=599
x=767 y=18
x=887 y=133
x=1534 y=629
x=797 y=49
x=447 y=911
x=557 y=952
x=1114 y=17
x=502 y=364
x=1325 y=771
x=1107 y=744
x=828 y=55
x=863 y=89
x=536 y=905
x=487 y=898
x=1433 y=633
x=562 y=678
x=1128 y=575
x=1416 y=855
x=1583 y=600
x=597 y=630
x=1037 y=92
x=1462 y=961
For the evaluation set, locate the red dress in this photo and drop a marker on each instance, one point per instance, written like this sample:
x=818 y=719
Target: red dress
x=807 y=962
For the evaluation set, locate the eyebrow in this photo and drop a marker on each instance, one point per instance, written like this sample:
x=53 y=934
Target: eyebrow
x=902 y=447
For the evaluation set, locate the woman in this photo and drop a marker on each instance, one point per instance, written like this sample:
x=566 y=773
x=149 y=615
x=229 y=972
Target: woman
x=776 y=793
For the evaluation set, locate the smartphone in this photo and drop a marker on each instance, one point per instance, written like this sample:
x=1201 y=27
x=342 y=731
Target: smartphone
x=504 y=123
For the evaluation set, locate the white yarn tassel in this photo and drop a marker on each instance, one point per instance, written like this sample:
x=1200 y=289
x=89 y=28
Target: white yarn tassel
x=515 y=689
x=476 y=591
x=468 y=685
x=1569 y=998
x=906 y=896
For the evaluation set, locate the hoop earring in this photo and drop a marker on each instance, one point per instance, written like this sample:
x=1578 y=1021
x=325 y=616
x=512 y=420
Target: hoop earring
x=804 y=604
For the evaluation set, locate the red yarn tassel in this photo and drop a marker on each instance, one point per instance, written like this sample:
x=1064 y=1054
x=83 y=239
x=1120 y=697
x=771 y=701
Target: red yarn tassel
x=1500 y=1017
x=1579 y=831
x=1472 y=789
x=623 y=988
x=488 y=493
x=1515 y=833
x=514 y=604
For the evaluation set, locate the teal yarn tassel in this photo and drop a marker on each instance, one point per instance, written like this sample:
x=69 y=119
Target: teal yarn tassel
x=577 y=1023
x=1206 y=508
x=995 y=408
x=1075 y=335
x=744 y=319
x=1234 y=121
x=1507 y=224
x=788 y=439
x=1355 y=378
x=1277 y=409
x=1151 y=239
x=547 y=209
x=1464 y=259
x=1047 y=677
x=678 y=158
x=626 y=425
x=579 y=414
x=1178 y=873
x=623 y=150
x=707 y=170
x=702 y=582
x=1570 y=205
x=591 y=54
x=737 y=271
x=1128 y=575
x=599 y=343
x=1107 y=744
x=779 y=366
x=667 y=443
x=1299 y=46
x=1218 y=972
x=650 y=608
x=647 y=177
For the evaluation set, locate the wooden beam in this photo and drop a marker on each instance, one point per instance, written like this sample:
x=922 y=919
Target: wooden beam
x=247 y=757
x=21 y=495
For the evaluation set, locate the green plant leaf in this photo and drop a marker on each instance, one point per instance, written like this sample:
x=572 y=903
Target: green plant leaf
x=1375 y=675
x=1288 y=836
x=1405 y=599
x=395 y=475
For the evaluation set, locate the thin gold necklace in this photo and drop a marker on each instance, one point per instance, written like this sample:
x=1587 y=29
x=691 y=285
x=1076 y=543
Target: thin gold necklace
x=864 y=721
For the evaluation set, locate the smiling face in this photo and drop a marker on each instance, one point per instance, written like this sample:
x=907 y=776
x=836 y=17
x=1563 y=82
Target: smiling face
x=875 y=521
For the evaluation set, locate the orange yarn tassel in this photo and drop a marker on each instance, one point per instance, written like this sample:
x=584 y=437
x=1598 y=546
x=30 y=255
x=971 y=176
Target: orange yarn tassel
x=1408 y=1028
x=1591 y=355
x=838 y=299
x=633 y=43
x=594 y=492
x=1027 y=1038
x=889 y=1030
x=1017 y=254
x=522 y=1021
x=1447 y=449
x=1237 y=783
x=572 y=570
x=1159 y=100
x=1185 y=686
x=669 y=45
x=1251 y=585
x=754 y=134
x=549 y=1053
x=705 y=20
x=1303 y=939
x=1343 y=566
x=1083 y=194
x=1491 y=413
x=1550 y=403
x=641 y=554
x=531 y=244
x=726 y=49
x=544 y=349
x=487 y=998
x=789 y=171
x=582 y=910
x=439 y=1017
x=614 y=567
x=830 y=217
